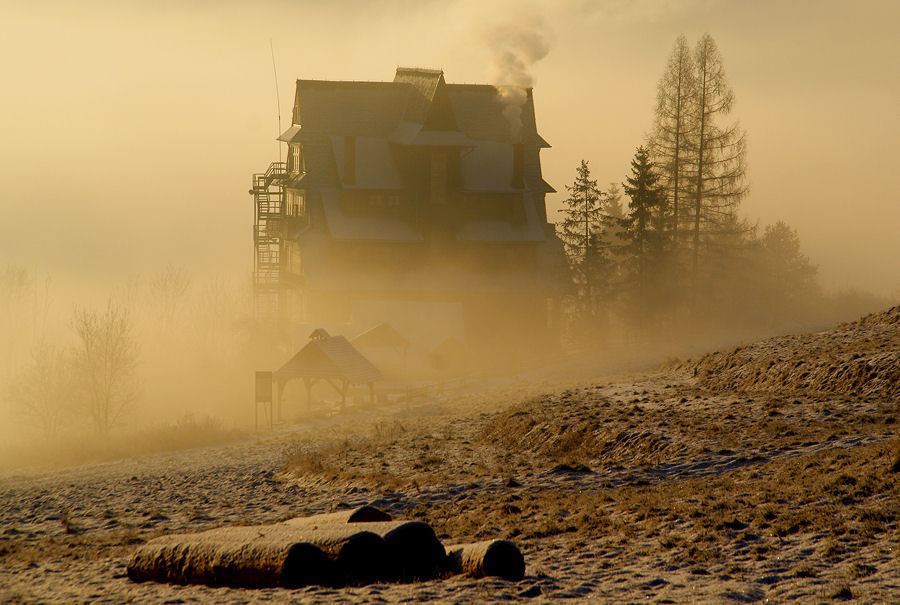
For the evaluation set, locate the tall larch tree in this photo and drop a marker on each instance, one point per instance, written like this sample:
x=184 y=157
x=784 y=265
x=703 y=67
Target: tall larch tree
x=719 y=158
x=672 y=143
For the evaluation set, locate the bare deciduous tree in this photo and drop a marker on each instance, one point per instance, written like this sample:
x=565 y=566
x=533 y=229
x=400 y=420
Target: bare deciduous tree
x=167 y=290
x=42 y=391
x=105 y=361
x=24 y=307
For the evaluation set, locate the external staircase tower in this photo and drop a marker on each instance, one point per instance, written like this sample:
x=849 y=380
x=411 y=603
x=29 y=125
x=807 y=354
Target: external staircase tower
x=268 y=243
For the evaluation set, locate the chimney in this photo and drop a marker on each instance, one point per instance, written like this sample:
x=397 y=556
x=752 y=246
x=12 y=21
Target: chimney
x=518 y=181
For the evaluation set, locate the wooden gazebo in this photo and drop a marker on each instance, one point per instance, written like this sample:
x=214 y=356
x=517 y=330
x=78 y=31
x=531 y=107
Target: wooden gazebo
x=329 y=358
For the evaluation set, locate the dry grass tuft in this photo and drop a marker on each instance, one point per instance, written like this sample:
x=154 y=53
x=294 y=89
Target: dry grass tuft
x=387 y=432
x=857 y=360
x=841 y=592
x=696 y=523
x=895 y=463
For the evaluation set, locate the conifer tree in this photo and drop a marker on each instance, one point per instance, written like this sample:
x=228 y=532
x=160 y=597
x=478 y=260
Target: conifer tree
x=672 y=143
x=719 y=158
x=790 y=276
x=700 y=158
x=607 y=248
x=582 y=226
x=645 y=220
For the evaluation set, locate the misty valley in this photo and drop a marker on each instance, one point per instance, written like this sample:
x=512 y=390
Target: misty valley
x=443 y=347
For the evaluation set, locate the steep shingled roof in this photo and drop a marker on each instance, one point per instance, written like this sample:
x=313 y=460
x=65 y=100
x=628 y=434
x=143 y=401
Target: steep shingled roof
x=372 y=109
x=417 y=109
x=479 y=111
x=376 y=109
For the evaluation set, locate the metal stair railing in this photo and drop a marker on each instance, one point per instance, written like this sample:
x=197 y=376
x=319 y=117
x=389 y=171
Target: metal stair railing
x=268 y=197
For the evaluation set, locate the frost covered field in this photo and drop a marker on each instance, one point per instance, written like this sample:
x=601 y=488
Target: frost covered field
x=768 y=471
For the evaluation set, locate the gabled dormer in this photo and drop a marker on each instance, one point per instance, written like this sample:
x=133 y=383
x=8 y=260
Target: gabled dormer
x=428 y=103
x=440 y=114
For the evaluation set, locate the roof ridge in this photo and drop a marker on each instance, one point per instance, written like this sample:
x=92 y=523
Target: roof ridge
x=424 y=70
x=459 y=85
x=350 y=82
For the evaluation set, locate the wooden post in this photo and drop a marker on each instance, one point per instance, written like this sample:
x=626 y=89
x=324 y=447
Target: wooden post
x=276 y=400
x=280 y=386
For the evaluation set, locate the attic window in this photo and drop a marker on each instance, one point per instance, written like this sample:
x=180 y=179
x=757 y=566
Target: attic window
x=349 y=160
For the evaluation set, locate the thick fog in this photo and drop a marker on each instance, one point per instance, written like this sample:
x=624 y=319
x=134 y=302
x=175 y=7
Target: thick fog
x=131 y=130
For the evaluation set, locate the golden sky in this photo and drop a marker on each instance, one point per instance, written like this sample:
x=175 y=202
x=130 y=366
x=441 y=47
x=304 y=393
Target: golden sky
x=130 y=129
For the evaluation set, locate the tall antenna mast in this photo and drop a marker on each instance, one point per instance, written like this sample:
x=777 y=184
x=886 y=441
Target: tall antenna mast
x=277 y=97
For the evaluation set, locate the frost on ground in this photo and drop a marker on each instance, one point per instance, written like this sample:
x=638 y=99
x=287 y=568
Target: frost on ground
x=859 y=359
x=771 y=471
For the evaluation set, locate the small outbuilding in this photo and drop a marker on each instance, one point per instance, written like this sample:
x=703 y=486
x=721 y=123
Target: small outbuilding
x=331 y=359
x=382 y=336
x=387 y=348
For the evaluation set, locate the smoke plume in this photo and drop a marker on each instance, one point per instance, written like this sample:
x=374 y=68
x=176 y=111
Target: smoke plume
x=516 y=46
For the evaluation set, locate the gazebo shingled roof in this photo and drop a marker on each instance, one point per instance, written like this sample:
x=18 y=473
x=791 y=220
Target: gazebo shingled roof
x=330 y=357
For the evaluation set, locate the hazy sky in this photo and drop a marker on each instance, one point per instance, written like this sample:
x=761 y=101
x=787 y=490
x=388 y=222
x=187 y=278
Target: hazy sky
x=129 y=130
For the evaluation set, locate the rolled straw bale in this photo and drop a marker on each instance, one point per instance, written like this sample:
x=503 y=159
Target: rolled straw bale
x=490 y=558
x=413 y=549
x=263 y=555
x=362 y=514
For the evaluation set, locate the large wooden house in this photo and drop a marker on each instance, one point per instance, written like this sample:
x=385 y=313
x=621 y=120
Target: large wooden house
x=411 y=200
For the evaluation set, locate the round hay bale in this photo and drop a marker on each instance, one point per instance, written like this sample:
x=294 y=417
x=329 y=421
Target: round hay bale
x=361 y=514
x=263 y=556
x=499 y=558
x=413 y=549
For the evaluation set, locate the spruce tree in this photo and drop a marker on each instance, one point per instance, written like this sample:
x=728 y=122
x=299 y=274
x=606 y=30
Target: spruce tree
x=607 y=248
x=645 y=219
x=582 y=226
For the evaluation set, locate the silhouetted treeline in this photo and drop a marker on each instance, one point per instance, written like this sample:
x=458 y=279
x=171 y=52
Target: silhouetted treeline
x=678 y=258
